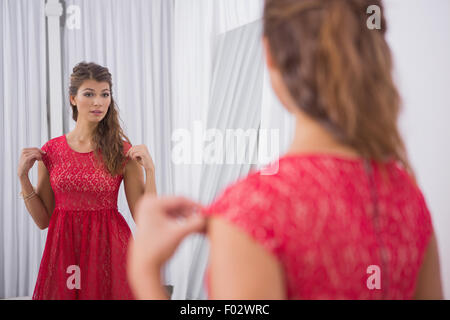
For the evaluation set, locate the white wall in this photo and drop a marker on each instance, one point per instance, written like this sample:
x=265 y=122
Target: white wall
x=419 y=36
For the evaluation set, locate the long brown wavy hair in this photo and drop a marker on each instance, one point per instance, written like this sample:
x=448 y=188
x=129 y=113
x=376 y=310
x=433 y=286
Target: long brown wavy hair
x=338 y=71
x=108 y=136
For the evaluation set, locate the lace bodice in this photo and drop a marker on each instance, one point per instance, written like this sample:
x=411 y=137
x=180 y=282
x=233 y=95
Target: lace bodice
x=316 y=215
x=80 y=181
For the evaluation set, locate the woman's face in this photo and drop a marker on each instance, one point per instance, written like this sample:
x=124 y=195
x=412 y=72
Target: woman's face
x=92 y=100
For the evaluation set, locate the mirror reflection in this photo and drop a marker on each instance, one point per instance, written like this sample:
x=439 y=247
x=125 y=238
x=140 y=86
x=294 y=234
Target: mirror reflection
x=220 y=149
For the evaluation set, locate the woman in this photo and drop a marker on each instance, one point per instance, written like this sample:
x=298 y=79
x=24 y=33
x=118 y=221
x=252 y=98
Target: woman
x=343 y=218
x=79 y=175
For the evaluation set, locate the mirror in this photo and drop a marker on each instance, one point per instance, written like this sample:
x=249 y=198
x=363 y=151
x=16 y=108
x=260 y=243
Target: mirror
x=179 y=71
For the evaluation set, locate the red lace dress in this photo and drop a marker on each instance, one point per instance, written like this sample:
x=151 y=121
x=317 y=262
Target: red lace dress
x=87 y=239
x=327 y=221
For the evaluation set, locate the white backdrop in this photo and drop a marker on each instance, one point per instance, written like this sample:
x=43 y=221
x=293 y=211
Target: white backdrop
x=199 y=26
x=234 y=102
x=419 y=38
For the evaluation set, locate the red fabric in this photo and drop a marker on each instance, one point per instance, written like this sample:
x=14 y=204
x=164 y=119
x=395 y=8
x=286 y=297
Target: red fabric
x=316 y=216
x=86 y=228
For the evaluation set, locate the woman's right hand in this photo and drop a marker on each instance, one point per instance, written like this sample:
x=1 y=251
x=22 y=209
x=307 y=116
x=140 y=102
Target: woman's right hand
x=27 y=160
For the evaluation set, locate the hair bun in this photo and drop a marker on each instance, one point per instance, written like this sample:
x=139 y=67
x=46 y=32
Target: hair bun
x=80 y=66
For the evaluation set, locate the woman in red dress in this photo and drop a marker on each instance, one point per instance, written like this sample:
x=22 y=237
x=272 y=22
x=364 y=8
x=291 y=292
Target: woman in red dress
x=343 y=218
x=79 y=175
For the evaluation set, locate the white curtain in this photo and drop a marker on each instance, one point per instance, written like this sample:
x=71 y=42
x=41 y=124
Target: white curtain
x=23 y=124
x=240 y=97
x=235 y=104
x=193 y=32
x=218 y=82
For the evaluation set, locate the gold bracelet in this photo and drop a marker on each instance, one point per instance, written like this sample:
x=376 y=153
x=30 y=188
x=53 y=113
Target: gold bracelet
x=29 y=197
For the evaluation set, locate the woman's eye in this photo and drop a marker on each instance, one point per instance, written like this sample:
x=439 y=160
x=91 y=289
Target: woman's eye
x=106 y=95
x=88 y=94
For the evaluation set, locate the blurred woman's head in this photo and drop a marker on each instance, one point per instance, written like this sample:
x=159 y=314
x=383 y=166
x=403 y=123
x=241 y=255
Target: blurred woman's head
x=91 y=101
x=336 y=71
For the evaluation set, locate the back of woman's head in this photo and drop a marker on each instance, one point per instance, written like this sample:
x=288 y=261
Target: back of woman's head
x=338 y=71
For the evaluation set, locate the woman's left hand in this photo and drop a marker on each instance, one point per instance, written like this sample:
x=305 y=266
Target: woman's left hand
x=161 y=224
x=142 y=156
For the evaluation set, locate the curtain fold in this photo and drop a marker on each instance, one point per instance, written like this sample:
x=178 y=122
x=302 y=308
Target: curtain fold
x=218 y=73
x=23 y=110
x=240 y=97
x=235 y=103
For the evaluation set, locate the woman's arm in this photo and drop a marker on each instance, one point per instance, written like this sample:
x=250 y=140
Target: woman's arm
x=135 y=187
x=150 y=183
x=429 y=281
x=41 y=205
x=134 y=183
x=239 y=267
x=162 y=223
x=144 y=278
